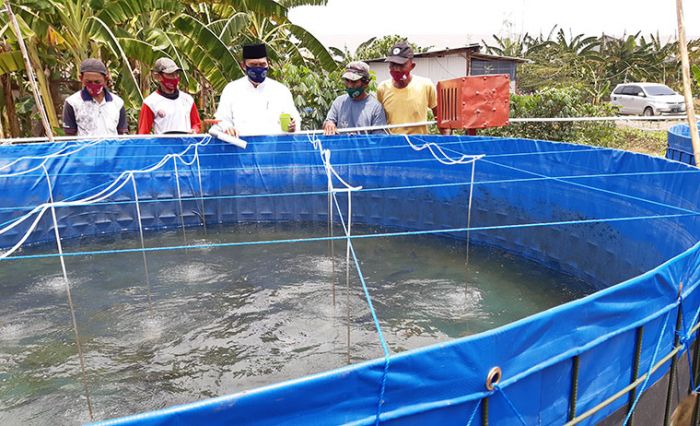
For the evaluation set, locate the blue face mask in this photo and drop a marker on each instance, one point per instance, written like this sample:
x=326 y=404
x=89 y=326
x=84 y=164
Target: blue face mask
x=256 y=74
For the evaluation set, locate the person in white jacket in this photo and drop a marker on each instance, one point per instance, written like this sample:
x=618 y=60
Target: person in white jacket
x=256 y=104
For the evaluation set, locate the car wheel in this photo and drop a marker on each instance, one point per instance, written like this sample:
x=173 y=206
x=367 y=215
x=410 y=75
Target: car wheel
x=648 y=112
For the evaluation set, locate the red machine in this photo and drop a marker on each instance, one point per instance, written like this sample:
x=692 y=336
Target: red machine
x=473 y=102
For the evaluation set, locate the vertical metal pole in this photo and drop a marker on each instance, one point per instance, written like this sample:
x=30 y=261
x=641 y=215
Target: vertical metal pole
x=469 y=210
x=201 y=188
x=74 y=321
x=143 y=246
x=347 y=266
x=694 y=372
x=331 y=245
x=179 y=200
x=696 y=360
x=672 y=372
x=635 y=370
x=574 y=388
x=30 y=72
x=485 y=412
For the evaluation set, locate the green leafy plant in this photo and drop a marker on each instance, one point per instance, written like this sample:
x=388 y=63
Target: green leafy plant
x=314 y=91
x=378 y=47
x=559 y=102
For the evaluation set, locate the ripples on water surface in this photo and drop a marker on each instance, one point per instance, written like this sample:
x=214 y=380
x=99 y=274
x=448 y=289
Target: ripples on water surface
x=221 y=320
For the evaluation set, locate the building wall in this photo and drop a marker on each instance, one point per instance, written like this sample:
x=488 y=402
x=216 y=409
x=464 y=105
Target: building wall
x=436 y=69
x=481 y=67
x=449 y=67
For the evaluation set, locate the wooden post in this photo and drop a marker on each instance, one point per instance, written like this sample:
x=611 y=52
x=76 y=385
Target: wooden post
x=687 y=92
x=30 y=71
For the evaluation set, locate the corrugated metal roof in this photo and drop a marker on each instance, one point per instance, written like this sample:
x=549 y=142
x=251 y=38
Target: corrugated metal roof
x=475 y=53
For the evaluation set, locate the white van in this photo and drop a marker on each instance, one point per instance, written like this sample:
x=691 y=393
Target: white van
x=647 y=99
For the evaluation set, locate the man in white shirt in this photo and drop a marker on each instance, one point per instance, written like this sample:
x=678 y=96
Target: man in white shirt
x=94 y=110
x=256 y=104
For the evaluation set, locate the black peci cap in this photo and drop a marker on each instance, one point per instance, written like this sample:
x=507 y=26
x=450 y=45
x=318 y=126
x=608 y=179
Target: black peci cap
x=254 y=51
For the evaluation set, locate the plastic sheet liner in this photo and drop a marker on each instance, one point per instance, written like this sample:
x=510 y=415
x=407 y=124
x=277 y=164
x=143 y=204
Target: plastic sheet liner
x=626 y=222
x=680 y=146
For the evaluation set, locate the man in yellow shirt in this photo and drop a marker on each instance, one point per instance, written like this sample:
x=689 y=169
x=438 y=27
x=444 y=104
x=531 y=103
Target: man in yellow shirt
x=406 y=98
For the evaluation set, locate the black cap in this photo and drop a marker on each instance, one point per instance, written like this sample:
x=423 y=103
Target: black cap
x=254 y=51
x=400 y=53
x=93 y=65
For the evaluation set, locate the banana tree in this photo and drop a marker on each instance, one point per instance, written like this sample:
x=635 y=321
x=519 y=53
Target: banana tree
x=32 y=39
x=10 y=62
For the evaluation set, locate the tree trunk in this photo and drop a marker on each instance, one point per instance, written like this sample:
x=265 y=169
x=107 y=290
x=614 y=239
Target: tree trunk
x=10 y=109
x=144 y=77
x=43 y=84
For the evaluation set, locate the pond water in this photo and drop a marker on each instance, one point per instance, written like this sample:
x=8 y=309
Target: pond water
x=214 y=321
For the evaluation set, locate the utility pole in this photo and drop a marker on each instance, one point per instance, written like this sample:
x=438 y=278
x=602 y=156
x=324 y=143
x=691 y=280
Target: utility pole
x=687 y=92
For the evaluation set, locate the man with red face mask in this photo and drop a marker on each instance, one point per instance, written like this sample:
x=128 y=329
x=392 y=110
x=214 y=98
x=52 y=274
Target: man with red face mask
x=168 y=110
x=94 y=110
x=406 y=97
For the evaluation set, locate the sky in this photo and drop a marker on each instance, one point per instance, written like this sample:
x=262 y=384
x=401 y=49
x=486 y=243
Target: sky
x=454 y=23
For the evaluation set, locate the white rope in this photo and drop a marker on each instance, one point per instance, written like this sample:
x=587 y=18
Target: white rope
x=104 y=194
x=56 y=154
x=179 y=200
x=59 y=153
x=330 y=170
x=469 y=210
x=446 y=159
x=363 y=129
x=613 y=118
x=10 y=141
x=74 y=321
x=325 y=155
x=41 y=209
x=26 y=235
x=201 y=190
x=55 y=223
x=143 y=245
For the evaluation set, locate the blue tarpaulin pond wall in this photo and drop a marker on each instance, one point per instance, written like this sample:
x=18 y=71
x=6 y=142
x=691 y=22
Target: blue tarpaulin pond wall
x=680 y=147
x=625 y=222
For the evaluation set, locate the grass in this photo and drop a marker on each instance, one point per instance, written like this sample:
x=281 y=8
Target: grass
x=652 y=142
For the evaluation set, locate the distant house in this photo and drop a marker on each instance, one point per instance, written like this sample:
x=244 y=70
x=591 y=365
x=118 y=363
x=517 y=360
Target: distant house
x=453 y=63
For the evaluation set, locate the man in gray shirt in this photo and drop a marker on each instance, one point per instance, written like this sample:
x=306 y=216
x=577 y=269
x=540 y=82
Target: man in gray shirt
x=356 y=108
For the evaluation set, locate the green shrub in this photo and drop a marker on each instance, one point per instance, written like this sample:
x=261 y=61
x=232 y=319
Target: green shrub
x=559 y=102
x=314 y=91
